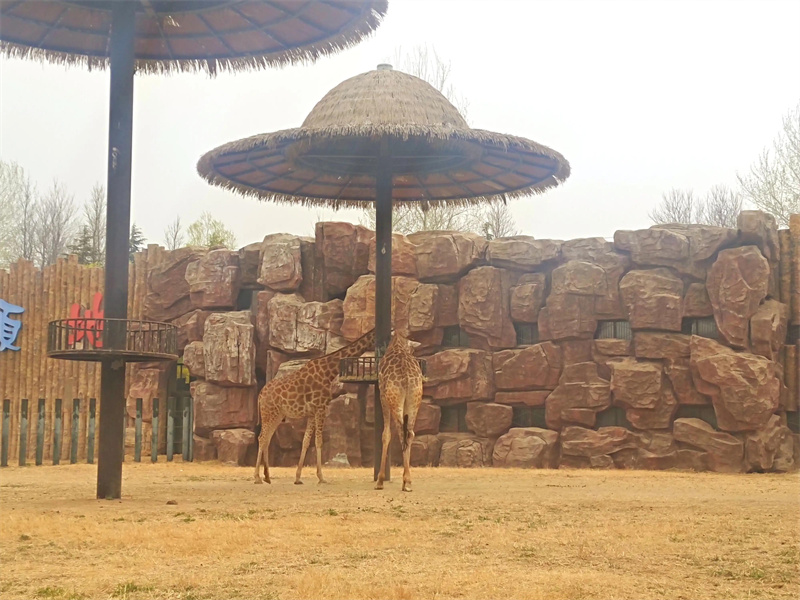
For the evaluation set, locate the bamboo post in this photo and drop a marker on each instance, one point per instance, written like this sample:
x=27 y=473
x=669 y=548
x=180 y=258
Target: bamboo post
x=6 y=433
x=185 y=427
x=23 y=433
x=154 y=433
x=170 y=427
x=92 y=429
x=57 y=433
x=40 y=432
x=73 y=448
x=137 y=444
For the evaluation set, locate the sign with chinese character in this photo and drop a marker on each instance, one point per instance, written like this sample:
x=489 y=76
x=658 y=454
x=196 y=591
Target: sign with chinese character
x=9 y=327
x=86 y=324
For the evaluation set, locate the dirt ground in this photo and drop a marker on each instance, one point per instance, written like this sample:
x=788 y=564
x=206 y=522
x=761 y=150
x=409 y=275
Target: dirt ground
x=477 y=533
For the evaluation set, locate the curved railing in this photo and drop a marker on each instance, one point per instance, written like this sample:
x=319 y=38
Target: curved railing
x=92 y=339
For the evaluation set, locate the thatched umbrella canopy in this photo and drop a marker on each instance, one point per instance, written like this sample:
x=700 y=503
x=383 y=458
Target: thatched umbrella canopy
x=384 y=137
x=188 y=35
x=161 y=36
x=332 y=159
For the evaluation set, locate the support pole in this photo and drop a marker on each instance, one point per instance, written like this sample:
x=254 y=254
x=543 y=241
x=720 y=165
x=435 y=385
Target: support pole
x=118 y=217
x=383 y=283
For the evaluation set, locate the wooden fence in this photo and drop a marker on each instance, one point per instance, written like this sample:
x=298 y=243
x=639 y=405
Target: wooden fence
x=60 y=432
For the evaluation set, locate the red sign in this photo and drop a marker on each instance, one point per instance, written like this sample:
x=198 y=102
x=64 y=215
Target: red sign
x=87 y=323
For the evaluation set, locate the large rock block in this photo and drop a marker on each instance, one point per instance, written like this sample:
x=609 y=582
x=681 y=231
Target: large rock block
x=744 y=388
x=696 y=302
x=250 y=265
x=525 y=398
x=679 y=373
x=298 y=327
x=465 y=450
x=737 y=283
x=760 y=229
x=581 y=393
x=203 y=450
x=636 y=384
x=527 y=297
x=342 y=251
x=487 y=419
x=234 y=446
x=768 y=328
x=280 y=267
x=229 y=349
x=653 y=299
x=425 y=450
x=217 y=407
x=190 y=327
x=521 y=252
x=359 y=306
x=167 y=289
x=404 y=259
x=652 y=344
x=761 y=447
x=533 y=367
x=568 y=316
x=443 y=256
x=215 y=280
x=458 y=375
x=527 y=447
x=588 y=443
x=686 y=248
x=725 y=452
x=428 y=418
x=483 y=307
x=580 y=278
x=193 y=359
x=599 y=252
x=430 y=308
x=656 y=450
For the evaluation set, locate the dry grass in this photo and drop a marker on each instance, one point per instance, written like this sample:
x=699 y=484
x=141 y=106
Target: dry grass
x=479 y=533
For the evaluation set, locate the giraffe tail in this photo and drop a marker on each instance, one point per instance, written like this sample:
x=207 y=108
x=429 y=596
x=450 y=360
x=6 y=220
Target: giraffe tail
x=405 y=432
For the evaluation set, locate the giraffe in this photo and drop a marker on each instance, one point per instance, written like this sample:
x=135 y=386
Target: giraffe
x=400 y=381
x=304 y=393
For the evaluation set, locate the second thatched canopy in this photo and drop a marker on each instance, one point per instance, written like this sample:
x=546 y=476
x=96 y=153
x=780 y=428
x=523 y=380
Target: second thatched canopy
x=332 y=159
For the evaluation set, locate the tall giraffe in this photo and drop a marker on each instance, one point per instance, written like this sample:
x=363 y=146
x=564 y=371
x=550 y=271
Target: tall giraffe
x=400 y=380
x=304 y=393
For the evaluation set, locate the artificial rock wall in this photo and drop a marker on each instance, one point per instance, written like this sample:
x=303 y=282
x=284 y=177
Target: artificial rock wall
x=664 y=348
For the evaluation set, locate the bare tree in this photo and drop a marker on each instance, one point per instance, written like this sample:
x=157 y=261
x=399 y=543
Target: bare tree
x=17 y=223
x=677 y=206
x=173 y=234
x=494 y=221
x=208 y=231
x=94 y=220
x=55 y=216
x=773 y=183
x=720 y=207
x=420 y=216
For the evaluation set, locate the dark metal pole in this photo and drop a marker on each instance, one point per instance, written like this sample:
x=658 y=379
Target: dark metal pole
x=118 y=217
x=383 y=282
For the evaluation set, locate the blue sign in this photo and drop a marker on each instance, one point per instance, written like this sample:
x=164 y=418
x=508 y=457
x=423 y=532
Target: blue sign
x=9 y=328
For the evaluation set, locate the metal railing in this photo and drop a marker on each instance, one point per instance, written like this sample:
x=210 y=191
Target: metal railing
x=94 y=339
x=364 y=369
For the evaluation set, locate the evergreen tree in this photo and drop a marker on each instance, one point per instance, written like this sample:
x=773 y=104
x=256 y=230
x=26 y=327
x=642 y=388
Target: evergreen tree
x=81 y=247
x=136 y=241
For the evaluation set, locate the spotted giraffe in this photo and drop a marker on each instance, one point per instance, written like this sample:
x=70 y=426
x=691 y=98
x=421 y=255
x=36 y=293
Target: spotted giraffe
x=400 y=380
x=304 y=393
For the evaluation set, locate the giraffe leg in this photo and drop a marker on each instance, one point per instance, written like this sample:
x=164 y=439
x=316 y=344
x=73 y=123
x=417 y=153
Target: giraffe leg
x=306 y=443
x=319 y=424
x=268 y=428
x=386 y=439
x=410 y=420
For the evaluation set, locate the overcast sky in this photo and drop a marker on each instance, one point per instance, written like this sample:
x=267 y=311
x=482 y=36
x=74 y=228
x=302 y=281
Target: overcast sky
x=640 y=96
